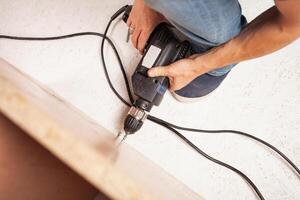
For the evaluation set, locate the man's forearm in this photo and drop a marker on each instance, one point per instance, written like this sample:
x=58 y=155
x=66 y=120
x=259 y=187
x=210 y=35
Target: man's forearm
x=267 y=33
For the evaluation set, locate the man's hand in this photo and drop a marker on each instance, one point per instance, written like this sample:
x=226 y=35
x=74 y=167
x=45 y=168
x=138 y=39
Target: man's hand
x=179 y=73
x=142 y=21
x=272 y=30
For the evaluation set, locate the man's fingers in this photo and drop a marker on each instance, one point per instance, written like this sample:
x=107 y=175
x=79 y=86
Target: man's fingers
x=135 y=37
x=142 y=40
x=129 y=22
x=158 y=71
x=173 y=87
x=165 y=71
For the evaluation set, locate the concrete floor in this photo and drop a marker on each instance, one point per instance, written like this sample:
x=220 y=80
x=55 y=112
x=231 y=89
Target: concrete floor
x=260 y=96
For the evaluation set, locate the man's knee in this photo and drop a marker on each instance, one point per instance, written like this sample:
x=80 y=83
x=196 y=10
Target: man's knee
x=229 y=30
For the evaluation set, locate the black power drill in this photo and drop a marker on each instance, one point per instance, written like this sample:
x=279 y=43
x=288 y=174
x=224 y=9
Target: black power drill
x=162 y=48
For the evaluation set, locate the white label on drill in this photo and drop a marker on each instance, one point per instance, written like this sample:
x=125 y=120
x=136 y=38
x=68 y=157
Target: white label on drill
x=151 y=56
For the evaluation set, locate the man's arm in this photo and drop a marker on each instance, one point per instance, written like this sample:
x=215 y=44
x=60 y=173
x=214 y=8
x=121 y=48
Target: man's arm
x=272 y=30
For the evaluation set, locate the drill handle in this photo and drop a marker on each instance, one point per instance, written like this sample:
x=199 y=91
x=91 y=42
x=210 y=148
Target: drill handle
x=127 y=13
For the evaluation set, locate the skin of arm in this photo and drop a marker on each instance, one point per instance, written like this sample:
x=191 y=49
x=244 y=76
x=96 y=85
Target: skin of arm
x=272 y=30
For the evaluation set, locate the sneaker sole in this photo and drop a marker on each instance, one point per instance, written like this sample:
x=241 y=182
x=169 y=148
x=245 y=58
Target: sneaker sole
x=182 y=99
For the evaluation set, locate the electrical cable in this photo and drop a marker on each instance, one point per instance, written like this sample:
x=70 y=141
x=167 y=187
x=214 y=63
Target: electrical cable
x=233 y=132
x=161 y=122
x=120 y=11
x=77 y=35
x=254 y=187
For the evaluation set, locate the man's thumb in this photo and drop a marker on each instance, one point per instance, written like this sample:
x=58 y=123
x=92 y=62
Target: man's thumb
x=158 y=71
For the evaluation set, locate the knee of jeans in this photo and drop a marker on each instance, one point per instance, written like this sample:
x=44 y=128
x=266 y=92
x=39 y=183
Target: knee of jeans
x=228 y=30
x=224 y=33
x=224 y=36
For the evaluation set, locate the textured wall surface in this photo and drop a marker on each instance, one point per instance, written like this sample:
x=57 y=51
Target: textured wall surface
x=260 y=96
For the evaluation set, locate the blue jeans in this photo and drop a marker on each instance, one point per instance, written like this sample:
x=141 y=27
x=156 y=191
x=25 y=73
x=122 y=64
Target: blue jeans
x=206 y=23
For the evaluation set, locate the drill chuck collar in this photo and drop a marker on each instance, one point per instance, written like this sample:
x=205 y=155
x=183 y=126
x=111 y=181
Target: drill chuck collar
x=162 y=48
x=134 y=120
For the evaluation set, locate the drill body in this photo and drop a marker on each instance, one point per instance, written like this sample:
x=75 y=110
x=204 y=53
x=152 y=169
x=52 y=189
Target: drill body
x=162 y=48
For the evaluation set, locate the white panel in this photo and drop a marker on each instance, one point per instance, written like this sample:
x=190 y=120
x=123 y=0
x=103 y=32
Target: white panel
x=151 y=56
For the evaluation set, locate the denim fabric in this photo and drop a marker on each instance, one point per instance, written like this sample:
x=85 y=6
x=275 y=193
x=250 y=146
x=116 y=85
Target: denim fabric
x=206 y=23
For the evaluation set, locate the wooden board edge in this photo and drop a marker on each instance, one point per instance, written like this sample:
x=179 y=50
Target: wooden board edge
x=94 y=162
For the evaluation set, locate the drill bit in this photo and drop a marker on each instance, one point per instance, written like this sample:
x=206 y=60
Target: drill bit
x=119 y=139
x=122 y=135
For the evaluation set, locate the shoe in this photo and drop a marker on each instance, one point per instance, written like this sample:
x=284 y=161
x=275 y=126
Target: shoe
x=199 y=88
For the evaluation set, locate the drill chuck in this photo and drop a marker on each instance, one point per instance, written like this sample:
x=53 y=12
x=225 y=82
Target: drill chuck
x=134 y=120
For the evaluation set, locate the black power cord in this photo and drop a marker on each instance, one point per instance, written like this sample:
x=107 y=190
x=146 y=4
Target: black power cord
x=119 y=12
x=188 y=142
x=161 y=122
x=77 y=35
x=297 y=171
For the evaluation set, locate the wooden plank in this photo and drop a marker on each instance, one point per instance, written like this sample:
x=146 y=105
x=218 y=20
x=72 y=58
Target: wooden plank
x=82 y=144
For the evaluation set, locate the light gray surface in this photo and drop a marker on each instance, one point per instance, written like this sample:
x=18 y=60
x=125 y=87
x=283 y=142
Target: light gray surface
x=261 y=96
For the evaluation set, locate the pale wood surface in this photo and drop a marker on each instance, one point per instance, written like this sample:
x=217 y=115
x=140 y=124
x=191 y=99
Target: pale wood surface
x=83 y=145
x=30 y=172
